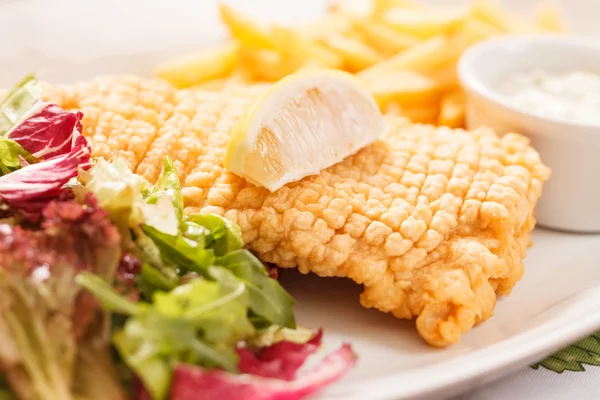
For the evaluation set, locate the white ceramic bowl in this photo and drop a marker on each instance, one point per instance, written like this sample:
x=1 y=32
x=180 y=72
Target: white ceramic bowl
x=571 y=198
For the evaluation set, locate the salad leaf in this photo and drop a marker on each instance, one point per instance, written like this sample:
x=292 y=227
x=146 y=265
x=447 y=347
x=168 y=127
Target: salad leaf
x=51 y=134
x=275 y=334
x=268 y=299
x=18 y=102
x=196 y=322
x=103 y=291
x=44 y=314
x=114 y=185
x=119 y=191
x=225 y=236
x=11 y=154
x=149 y=343
x=280 y=360
x=167 y=185
x=151 y=279
x=219 y=310
x=181 y=251
x=31 y=188
x=48 y=131
x=189 y=381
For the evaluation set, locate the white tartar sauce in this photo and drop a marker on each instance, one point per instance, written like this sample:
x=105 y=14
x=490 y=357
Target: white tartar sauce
x=572 y=96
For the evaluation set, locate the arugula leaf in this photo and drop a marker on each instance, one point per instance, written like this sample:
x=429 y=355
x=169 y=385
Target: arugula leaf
x=225 y=236
x=268 y=299
x=150 y=344
x=218 y=310
x=197 y=233
x=181 y=251
x=198 y=323
x=9 y=155
x=18 y=102
x=111 y=300
x=151 y=279
x=167 y=185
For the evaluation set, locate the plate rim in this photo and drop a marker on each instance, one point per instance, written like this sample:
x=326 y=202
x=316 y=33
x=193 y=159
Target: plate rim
x=492 y=361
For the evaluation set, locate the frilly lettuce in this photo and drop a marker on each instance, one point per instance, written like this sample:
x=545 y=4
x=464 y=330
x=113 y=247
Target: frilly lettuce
x=11 y=154
x=119 y=191
x=18 y=103
x=167 y=186
x=44 y=314
x=199 y=322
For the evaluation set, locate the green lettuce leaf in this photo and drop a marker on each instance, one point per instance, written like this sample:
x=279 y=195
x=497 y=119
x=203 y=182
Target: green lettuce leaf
x=152 y=279
x=104 y=292
x=198 y=322
x=268 y=299
x=119 y=191
x=224 y=237
x=218 y=310
x=167 y=185
x=18 y=102
x=150 y=345
x=270 y=303
x=181 y=251
x=275 y=334
x=9 y=155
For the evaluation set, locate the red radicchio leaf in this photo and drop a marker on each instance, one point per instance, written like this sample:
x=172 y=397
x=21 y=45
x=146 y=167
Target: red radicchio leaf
x=53 y=135
x=29 y=189
x=194 y=383
x=49 y=133
x=280 y=360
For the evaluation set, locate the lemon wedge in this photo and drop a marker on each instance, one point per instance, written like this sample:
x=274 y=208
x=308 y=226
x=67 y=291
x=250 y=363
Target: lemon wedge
x=303 y=124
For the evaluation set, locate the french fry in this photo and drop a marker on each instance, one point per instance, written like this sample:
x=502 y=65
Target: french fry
x=423 y=23
x=548 y=18
x=403 y=87
x=405 y=52
x=445 y=76
x=452 y=112
x=418 y=114
x=297 y=51
x=356 y=55
x=190 y=70
x=263 y=64
x=250 y=33
x=426 y=54
x=383 y=38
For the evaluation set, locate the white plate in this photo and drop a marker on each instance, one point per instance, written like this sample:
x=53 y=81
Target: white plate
x=556 y=302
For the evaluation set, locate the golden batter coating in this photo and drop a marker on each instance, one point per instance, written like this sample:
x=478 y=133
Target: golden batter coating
x=434 y=222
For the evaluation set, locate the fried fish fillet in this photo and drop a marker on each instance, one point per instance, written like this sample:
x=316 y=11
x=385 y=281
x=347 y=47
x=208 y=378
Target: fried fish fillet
x=433 y=222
